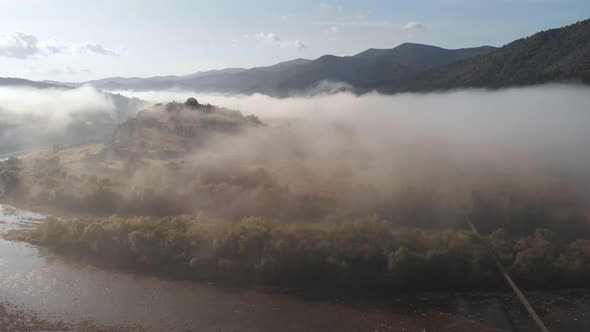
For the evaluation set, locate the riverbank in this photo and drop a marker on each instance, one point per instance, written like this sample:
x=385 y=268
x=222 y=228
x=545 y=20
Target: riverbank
x=43 y=209
x=364 y=256
x=13 y=318
x=51 y=290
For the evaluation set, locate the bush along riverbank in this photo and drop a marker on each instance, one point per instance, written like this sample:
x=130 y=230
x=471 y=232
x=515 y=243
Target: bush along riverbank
x=365 y=255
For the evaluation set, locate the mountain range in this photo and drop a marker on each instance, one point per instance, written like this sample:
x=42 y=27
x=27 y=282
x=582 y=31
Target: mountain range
x=556 y=55
x=366 y=70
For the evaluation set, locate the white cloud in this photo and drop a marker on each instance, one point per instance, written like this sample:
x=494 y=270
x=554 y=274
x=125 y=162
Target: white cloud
x=284 y=18
x=414 y=26
x=292 y=44
x=20 y=45
x=272 y=39
x=266 y=37
x=95 y=48
x=51 y=46
x=334 y=29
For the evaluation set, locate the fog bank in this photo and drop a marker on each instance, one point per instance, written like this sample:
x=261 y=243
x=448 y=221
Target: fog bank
x=417 y=159
x=545 y=120
x=425 y=153
x=33 y=118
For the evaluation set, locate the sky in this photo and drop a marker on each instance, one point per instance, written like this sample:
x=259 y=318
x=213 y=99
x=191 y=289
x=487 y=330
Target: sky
x=78 y=40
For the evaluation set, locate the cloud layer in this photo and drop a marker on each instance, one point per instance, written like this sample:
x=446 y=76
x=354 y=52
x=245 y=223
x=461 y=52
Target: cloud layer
x=414 y=26
x=272 y=39
x=20 y=45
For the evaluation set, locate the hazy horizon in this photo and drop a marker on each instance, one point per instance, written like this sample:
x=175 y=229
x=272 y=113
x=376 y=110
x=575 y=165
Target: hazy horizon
x=134 y=39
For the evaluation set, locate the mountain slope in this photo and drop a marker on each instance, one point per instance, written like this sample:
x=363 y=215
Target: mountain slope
x=255 y=80
x=13 y=81
x=161 y=82
x=554 y=55
x=204 y=80
x=367 y=70
x=376 y=67
x=371 y=69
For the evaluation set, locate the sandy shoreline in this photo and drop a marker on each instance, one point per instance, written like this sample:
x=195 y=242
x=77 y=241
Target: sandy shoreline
x=45 y=210
x=13 y=318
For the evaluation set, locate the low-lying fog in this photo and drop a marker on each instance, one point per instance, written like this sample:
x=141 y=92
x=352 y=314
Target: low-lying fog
x=363 y=149
x=551 y=122
x=447 y=143
x=33 y=118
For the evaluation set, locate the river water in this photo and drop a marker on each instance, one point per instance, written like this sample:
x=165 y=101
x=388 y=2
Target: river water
x=35 y=280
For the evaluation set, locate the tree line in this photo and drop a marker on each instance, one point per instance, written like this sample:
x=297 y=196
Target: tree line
x=364 y=255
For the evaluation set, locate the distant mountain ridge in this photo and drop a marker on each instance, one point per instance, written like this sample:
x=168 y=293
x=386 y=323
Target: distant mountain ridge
x=375 y=68
x=556 y=55
x=113 y=83
x=362 y=70
x=14 y=81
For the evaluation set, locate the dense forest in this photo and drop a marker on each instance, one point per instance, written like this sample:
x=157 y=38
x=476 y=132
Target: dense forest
x=556 y=55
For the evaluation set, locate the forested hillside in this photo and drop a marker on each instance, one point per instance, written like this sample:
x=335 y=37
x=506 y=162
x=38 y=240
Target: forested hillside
x=556 y=55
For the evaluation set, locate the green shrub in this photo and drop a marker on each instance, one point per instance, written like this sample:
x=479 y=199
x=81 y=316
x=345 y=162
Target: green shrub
x=366 y=254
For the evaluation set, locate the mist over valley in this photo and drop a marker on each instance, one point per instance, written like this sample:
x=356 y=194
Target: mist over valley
x=413 y=187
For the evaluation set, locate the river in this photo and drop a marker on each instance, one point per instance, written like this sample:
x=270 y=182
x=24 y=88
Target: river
x=37 y=283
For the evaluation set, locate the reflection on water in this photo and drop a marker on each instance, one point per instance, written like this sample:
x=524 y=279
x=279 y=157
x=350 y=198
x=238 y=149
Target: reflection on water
x=37 y=280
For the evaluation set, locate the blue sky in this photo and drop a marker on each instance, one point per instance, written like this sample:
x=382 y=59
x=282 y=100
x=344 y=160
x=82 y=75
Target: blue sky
x=73 y=40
